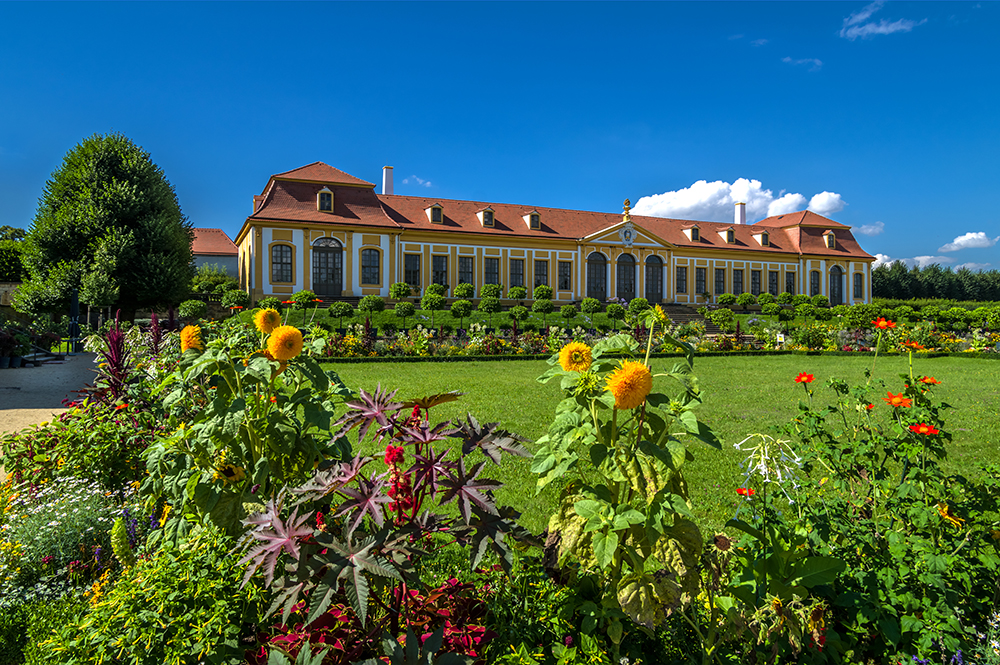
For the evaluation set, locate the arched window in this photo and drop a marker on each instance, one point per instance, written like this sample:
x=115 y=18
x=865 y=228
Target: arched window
x=626 y=277
x=370 y=273
x=836 y=286
x=327 y=267
x=654 y=279
x=814 y=283
x=281 y=263
x=597 y=276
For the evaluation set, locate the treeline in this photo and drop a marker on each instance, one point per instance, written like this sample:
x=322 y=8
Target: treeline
x=897 y=281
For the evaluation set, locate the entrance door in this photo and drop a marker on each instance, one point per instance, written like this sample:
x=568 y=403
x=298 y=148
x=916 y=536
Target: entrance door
x=597 y=276
x=328 y=267
x=626 y=277
x=836 y=286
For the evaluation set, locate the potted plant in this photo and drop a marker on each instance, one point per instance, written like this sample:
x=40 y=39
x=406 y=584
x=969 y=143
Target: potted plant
x=22 y=347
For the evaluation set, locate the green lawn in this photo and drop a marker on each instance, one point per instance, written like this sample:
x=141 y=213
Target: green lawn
x=743 y=395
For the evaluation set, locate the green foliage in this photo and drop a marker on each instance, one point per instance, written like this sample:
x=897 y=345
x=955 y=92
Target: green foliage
x=339 y=310
x=461 y=309
x=726 y=300
x=275 y=303
x=193 y=309
x=543 y=307
x=801 y=299
x=897 y=281
x=465 y=291
x=404 y=310
x=371 y=305
x=432 y=302
x=518 y=312
x=805 y=310
x=765 y=299
x=820 y=301
x=109 y=198
x=542 y=292
x=862 y=315
x=304 y=299
x=181 y=606
x=489 y=305
x=400 y=290
x=210 y=276
x=770 y=309
x=616 y=312
x=25 y=626
x=744 y=300
x=637 y=306
x=812 y=337
x=491 y=291
x=517 y=293
x=436 y=289
x=590 y=306
x=786 y=314
x=11 y=262
x=235 y=298
x=11 y=233
x=567 y=312
x=724 y=318
x=784 y=298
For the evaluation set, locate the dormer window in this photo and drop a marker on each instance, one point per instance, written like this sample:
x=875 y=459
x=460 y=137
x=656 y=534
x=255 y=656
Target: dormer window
x=533 y=220
x=831 y=240
x=486 y=217
x=435 y=214
x=763 y=239
x=693 y=233
x=324 y=200
x=731 y=236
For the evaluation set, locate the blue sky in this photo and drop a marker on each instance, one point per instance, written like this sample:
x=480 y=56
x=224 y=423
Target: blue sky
x=882 y=116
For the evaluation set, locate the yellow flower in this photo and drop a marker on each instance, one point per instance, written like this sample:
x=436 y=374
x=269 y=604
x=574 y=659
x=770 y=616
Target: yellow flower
x=285 y=343
x=948 y=517
x=166 y=513
x=191 y=338
x=575 y=357
x=630 y=384
x=229 y=473
x=267 y=320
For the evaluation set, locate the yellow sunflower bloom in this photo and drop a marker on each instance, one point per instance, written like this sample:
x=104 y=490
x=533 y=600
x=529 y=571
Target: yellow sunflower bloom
x=229 y=473
x=191 y=339
x=285 y=343
x=946 y=515
x=630 y=384
x=267 y=320
x=575 y=357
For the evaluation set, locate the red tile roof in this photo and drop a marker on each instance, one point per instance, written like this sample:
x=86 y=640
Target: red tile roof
x=213 y=242
x=296 y=202
x=320 y=172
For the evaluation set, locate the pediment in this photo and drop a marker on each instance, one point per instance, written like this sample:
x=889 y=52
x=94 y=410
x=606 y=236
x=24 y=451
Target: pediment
x=618 y=235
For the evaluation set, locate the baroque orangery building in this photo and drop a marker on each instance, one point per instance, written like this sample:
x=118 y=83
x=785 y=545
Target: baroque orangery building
x=321 y=229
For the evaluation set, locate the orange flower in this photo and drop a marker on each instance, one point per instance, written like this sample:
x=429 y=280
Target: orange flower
x=870 y=407
x=898 y=400
x=274 y=400
x=630 y=384
x=804 y=378
x=267 y=320
x=285 y=343
x=929 y=380
x=237 y=307
x=121 y=406
x=191 y=339
x=575 y=357
x=745 y=491
x=945 y=513
x=882 y=324
x=924 y=429
x=912 y=346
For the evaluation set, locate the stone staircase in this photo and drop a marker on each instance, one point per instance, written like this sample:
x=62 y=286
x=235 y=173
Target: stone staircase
x=685 y=314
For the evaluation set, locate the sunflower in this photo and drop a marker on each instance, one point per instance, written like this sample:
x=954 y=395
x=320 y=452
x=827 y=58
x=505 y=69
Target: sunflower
x=285 y=343
x=630 y=384
x=267 y=320
x=575 y=357
x=229 y=473
x=191 y=339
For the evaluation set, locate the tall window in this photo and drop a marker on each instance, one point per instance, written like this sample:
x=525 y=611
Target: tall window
x=597 y=276
x=695 y=235
x=439 y=270
x=700 y=277
x=720 y=281
x=772 y=282
x=281 y=263
x=437 y=215
x=654 y=279
x=814 y=283
x=411 y=269
x=541 y=273
x=565 y=276
x=369 y=266
x=730 y=236
x=491 y=271
x=755 y=282
x=626 y=276
x=859 y=286
x=790 y=282
x=326 y=201
x=682 y=279
x=517 y=272
x=737 y=282
x=466 y=270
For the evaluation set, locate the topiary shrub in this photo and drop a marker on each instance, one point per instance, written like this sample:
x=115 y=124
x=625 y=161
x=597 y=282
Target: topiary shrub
x=590 y=306
x=432 y=302
x=801 y=299
x=820 y=301
x=192 y=309
x=304 y=299
x=637 y=306
x=567 y=312
x=765 y=299
x=461 y=309
x=840 y=310
x=370 y=305
x=770 y=309
x=784 y=298
x=269 y=303
x=436 y=289
x=727 y=300
x=517 y=293
x=400 y=290
x=724 y=318
x=404 y=309
x=744 y=300
x=491 y=291
x=339 y=310
x=542 y=292
x=543 y=307
x=862 y=315
x=616 y=313
x=518 y=313
x=806 y=310
x=489 y=305
x=786 y=314
x=465 y=291
x=235 y=298
x=823 y=314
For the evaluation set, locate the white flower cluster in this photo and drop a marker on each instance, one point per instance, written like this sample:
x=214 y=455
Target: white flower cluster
x=769 y=461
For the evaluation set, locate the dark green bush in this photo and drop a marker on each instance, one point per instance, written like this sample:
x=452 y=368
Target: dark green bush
x=727 y=300
x=637 y=306
x=269 y=303
x=340 y=310
x=784 y=298
x=517 y=293
x=543 y=292
x=436 y=289
x=371 y=305
x=235 y=298
x=303 y=299
x=400 y=290
x=590 y=306
x=192 y=309
x=465 y=291
x=491 y=291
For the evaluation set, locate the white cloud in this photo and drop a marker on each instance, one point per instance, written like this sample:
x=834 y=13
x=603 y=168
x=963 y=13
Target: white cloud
x=974 y=267
x=870 y=229
x=714 y=201
x=826 y=203
x=417 y=181
x=814 y=62
x=882 y=259
x=922 y=261
x=759 y=42
x=975 y=239
x=857 y=24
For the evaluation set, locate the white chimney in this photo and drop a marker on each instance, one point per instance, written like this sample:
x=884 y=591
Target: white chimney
x=387 y=180
x=741 y=214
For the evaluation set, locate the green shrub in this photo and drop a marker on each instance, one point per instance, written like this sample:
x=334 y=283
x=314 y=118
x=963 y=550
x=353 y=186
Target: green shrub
x=235 y=298
x=340 y=310
x=210 y=277
x=637 y=306
x=461 y=309
x=491 y=291
x=840 y=310
x=812 y=337
x=786 y=314
x=862 y=315
x=770 y=309
x=518 y=313
x=303 y=299
x=400 y=290
x=590 y=306
x=192 y=309
x=784 y=298
x=824 y=314
x=436 y=289
x=184 y=605
x=727 y=300
x=489 y=305
x=465 y=291
x=765 y=299
x=517 y=293
x=404 y=310
x=616 y=313
x=432 y=302
x=371 y=305
x=543 y=292
x=724 y=318
x=805 y=310
x=269 y=303
x=543 y=307
x=820 y=301
x=567 y=312
x=744 y=300
x=13 y=634
x=801 y=299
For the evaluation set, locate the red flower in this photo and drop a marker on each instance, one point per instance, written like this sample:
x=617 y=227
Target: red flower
x=317 y=300
x=912 y=346
x=898 y=400
x=287 y=302
x=745 y=491
x=237 y=307
x=804 y=378
x=393 y=454
x=870 y=407
x=274 y=399
x=922 y=428
x=121 y=406
x=882 y=324
x=929 y=380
